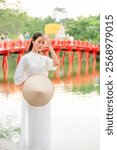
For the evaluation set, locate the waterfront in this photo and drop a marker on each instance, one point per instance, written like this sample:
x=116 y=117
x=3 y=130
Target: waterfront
x=74 y=107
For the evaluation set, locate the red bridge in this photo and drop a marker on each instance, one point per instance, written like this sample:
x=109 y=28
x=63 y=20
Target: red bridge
x=66 y=46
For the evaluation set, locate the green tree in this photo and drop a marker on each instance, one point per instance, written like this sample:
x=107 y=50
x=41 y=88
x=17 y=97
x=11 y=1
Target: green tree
x=2 y=1
x=11 y=21
x=84 y=28
x=15 y=21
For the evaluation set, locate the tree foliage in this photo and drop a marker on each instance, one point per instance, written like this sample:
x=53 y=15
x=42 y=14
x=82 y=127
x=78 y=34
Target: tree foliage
x=10 y=21
x=84 y=28
x=2 y=1
x=13 y=22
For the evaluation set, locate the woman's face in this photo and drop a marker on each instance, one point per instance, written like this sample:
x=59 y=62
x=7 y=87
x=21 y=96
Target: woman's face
x=38 y=44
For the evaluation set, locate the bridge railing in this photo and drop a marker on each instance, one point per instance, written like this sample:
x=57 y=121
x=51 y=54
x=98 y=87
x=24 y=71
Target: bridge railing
x=66 y=46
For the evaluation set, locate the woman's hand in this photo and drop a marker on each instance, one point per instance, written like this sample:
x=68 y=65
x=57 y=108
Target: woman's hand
x=47 y=39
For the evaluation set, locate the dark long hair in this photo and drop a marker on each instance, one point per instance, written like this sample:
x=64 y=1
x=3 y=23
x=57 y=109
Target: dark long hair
x=34 y=37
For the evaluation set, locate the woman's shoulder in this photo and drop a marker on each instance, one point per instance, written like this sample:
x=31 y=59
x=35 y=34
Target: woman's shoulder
x=25 y=57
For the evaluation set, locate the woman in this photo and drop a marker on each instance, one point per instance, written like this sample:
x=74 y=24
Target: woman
x=35 y=127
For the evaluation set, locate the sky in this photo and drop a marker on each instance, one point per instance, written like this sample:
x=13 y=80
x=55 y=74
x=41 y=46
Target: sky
x=43 y=8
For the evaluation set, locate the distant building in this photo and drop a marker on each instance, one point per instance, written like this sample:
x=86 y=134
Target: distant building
x=59 y=14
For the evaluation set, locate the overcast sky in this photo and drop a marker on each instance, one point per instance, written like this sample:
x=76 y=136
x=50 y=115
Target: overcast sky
x=74 y=8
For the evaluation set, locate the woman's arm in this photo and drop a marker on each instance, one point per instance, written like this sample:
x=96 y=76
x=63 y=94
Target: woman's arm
x=54 y=56
x=19 y=76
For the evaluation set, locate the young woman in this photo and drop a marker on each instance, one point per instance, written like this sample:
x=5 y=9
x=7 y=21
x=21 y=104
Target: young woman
x=35 y=124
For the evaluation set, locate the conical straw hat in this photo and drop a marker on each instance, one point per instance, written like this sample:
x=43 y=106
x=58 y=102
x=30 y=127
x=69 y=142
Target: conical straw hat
x=38 y=90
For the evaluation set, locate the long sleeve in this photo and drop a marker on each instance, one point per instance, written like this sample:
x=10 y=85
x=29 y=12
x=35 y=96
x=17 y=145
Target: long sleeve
x=49 y=63
x=19 y=76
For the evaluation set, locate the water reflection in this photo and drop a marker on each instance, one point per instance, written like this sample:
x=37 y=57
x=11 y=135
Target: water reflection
x=75 y=107
x=10 y=113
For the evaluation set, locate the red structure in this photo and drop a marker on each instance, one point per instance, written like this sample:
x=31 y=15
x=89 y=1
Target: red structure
x=65 y=46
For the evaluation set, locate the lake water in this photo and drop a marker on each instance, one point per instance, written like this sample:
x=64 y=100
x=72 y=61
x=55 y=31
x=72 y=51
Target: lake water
x=74 y=107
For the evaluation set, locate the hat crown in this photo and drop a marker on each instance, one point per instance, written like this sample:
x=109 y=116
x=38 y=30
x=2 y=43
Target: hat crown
x=38 y=90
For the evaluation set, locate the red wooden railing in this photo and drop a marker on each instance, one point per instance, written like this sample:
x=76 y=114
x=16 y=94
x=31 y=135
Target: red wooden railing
x=66 y=46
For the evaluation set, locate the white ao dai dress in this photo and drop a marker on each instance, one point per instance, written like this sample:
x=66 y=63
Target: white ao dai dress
x=36 y=121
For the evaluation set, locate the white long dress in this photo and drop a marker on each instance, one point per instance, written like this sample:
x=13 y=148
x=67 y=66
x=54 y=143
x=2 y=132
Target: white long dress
x=36 y=121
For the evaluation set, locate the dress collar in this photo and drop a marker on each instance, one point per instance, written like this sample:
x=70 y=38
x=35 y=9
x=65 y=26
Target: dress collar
x=35 y=54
